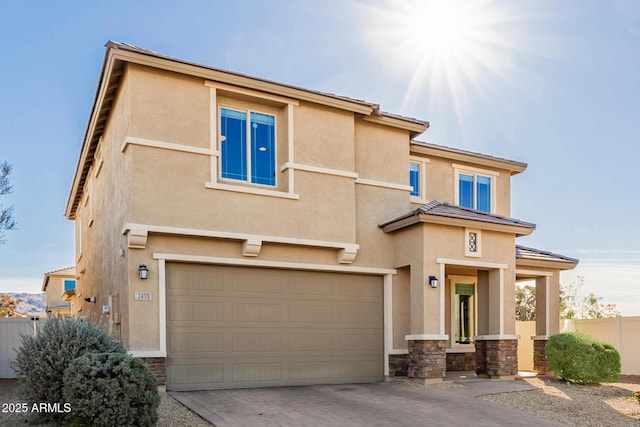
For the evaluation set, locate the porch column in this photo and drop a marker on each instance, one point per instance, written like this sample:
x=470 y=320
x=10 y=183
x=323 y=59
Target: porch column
x=496 y=344
x=547 y=317
x=427 y=358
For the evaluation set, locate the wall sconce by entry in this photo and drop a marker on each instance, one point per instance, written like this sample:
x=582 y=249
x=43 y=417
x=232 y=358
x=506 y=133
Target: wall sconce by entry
x=143 y=271
x=433 y=281
x=90 y=299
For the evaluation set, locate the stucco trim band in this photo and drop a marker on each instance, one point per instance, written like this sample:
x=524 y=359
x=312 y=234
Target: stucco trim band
x=383 y=184
x=272 y=264
x=138 y=234
x=132 y=140
x=316 y=169
x=427 y=337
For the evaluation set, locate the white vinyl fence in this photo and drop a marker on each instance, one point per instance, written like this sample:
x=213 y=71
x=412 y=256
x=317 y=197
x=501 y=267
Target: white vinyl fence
x=11 y=330
x=621 y=332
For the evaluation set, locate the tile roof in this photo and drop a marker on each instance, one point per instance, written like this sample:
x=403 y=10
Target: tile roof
x=439 y=208
x=523 y=252
x=373 y=105
x=62 y=271
x=469 y=153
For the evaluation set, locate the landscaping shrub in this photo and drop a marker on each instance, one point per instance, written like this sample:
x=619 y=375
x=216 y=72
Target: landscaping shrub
x=111 y=389
x=580 y=358
x=42 y=359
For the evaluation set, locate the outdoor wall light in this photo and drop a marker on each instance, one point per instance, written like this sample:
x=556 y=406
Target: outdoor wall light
x=90 y=299
x=143 y=271
x=433 y=281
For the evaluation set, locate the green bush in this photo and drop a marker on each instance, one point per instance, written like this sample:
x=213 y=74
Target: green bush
x=111 y=389
x=580 y=358
x=42 y=359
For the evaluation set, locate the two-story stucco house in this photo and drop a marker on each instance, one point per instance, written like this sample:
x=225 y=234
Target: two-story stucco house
x=238 y=232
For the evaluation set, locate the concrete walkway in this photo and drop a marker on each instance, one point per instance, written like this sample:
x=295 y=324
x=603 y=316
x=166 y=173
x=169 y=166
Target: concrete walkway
x=377 y=404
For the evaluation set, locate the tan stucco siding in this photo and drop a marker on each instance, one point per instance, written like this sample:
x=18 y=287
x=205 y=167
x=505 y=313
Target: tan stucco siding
x=441 y=184
x=401 y=300
x=324 y=137
x=102 y=267
x=382 y=153
x=168 y=107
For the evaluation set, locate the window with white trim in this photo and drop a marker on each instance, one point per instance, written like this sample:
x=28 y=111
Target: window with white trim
x=247 y=146
x=417 y=179
x=475 y=188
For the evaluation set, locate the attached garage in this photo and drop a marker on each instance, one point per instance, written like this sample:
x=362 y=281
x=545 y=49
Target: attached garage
x=235 y=327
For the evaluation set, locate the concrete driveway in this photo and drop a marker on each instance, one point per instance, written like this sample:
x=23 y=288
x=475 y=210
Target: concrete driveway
x=377 y=404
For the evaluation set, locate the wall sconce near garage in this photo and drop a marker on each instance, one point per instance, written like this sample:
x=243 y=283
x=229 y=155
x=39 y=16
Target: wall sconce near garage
x=143 y=272
x=90 y=299
x=433 y=281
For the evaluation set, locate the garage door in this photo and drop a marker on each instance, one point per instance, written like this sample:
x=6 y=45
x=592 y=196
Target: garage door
x=234 y=327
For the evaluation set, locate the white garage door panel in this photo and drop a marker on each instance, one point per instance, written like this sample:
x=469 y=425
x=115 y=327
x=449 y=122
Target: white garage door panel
x=231 y=327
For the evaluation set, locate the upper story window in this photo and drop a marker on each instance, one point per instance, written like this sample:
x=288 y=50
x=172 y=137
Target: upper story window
x=414 y=179
x=475 y=189
x=248 y=146
x=417 y=173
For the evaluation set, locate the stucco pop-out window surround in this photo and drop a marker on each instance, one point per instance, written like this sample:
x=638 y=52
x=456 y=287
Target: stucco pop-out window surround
x=475 y=188
x=240 y=174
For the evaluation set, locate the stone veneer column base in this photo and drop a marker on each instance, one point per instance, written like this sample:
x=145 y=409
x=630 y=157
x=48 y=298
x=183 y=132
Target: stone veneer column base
x=540 y=364
x=158 y=367
x=427 y=360
x=498 y=359
x=398 y=365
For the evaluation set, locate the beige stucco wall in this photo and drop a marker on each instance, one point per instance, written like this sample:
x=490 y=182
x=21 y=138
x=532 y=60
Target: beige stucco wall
x=101 y=268
x=441 y=184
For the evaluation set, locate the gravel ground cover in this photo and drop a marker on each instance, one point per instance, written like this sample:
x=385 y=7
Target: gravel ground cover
x=171 y=412
x=606 y=404
x=553 y=399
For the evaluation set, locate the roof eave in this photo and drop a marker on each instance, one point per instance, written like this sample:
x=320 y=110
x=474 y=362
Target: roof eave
x=403 y=222
x=84 y=162
x=550 y=264
x=514 y=167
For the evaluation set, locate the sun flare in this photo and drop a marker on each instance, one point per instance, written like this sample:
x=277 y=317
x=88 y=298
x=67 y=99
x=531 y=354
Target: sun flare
x=448 y=47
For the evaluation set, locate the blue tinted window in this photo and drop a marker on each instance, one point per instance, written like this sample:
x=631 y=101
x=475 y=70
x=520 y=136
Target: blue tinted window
x=233 y=125
x=414 y=178
x=263 y=149
x=465 y=190
x=483 y=193
x=69 y=285
x=248 y=149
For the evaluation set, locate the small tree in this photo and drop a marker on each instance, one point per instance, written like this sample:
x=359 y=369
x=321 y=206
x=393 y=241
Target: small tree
x=575 y=305
x=111 y=389
x=6 y=214
x=525 y=302
x=8 y=305
x=42 y=359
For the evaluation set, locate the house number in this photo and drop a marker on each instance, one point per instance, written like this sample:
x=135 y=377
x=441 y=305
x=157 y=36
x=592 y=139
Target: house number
x=142 y=296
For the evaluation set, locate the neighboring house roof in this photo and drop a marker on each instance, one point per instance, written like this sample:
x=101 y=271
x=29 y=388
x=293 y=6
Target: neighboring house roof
x=513 y=166
x=448 y=214
x=537 y=257
x=68 y=271
x=112 y=70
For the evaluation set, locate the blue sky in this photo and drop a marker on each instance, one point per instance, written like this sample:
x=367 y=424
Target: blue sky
x=554 y=84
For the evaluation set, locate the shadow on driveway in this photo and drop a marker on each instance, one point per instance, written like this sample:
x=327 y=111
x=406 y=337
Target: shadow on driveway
x=377 y=404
